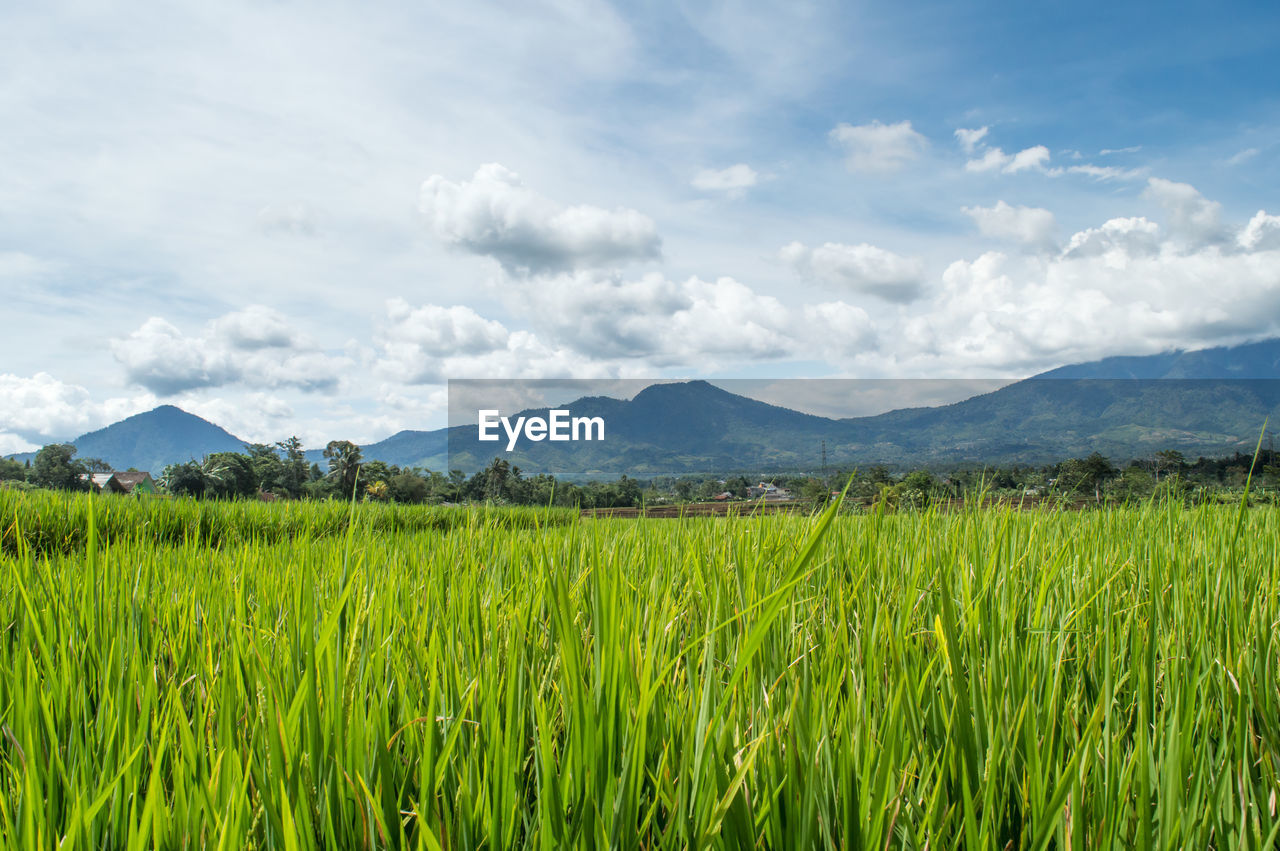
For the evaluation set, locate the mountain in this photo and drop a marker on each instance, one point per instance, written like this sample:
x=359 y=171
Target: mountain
x=1251 y=360
x=150 y=441
x=1207 y=402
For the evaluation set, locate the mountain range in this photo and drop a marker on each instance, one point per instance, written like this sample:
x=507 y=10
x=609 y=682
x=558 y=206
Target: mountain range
x=1209 y=402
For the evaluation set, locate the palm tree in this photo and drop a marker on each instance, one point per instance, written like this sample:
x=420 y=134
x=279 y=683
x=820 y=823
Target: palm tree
x=344 y=464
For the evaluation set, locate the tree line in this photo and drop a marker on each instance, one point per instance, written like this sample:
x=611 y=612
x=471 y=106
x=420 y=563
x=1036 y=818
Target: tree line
x=281 y=471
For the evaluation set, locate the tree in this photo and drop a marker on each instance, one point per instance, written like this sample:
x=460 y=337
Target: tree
x=268 y=469
x=344 y=465
x=1170 y=460
x=186 y=479
x=230 y=475
x=493 y=482
x=11 y=470
x=294 y=471
x=407 y=486
x=55 y=469
x=1085 y=473
x=96 y=465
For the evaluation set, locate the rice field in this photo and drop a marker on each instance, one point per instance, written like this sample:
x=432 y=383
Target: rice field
x=981 y=678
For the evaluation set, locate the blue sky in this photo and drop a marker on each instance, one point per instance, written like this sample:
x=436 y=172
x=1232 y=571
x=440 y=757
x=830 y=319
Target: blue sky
x=303 y=219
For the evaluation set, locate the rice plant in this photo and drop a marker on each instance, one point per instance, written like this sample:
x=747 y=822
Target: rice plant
x=975 y=679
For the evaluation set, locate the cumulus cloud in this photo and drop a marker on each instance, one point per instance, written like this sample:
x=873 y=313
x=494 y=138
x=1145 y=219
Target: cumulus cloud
x=1119 y=238
x=1031 y=226
x=255 y=327
x=443 y=331
x=40 y=405
x=495 y=215
x=254 y=347
x=430 y=344
x=660 y=321
x=969 y=139
x=1193 y=219
x=41 y=408
x=861 y=268
x=734 y=181
x=878 y=147
x=995 y=159
x=159 y=357
x=839 y=331
x=1261 y=234
x=1116 y=289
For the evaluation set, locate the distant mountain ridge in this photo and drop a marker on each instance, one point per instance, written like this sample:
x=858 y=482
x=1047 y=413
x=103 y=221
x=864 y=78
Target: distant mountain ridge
x=1211 y=401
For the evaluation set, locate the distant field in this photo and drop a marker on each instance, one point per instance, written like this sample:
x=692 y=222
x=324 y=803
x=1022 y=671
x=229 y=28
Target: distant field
x=273 y=677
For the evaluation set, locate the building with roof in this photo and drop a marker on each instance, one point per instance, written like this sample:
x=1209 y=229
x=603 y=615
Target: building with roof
x=130 y=482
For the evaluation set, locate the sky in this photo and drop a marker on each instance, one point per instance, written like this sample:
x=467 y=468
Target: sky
x=304 y=218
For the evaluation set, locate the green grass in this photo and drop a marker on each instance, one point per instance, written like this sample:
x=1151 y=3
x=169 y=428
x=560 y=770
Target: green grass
x=58 y=522
x=978 y=679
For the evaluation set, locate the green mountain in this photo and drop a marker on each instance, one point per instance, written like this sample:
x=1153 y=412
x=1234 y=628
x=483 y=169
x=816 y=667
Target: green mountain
x=154 y=439
x=1207 y=402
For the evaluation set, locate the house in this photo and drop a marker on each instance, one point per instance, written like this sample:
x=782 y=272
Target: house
x=769 y=491
x=131 y=482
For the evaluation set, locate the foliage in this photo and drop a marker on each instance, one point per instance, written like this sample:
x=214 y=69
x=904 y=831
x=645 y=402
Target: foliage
x=55 y=468
x=972 y=679
x=12 y=470
x=344 y=465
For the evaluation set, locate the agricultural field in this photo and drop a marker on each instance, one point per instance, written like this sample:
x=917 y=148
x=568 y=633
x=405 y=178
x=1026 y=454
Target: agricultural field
x=185 y=675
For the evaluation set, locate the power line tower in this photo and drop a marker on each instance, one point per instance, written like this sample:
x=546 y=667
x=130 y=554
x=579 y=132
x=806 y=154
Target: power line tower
x=826 y=484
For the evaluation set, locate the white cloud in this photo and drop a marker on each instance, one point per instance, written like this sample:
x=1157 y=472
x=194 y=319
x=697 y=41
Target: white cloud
x=42 y=408
x=1261 y=234
x=255 y=327
x=659 y=321
x=442 y=331
x=1119 y=239
x=13 y=443
x=877 y=147
x=734 y=181
x=40 y=404
x=254 y=347
x=430 y=344
x=861 y=268
x=1242 y=156
x=256 y=417
x=495 y=215
x=837 y=330
x=995 y=159
x=1031 y=226
x=1132 y=149
x=1193 y=219
x=1036 y=158
x=159 y=357
x=1109 y=293
x=1103 y=172
x=969 y=139
x=1028 y=159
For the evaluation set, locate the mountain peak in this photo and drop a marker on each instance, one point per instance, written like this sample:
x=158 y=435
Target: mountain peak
x=152 y=440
